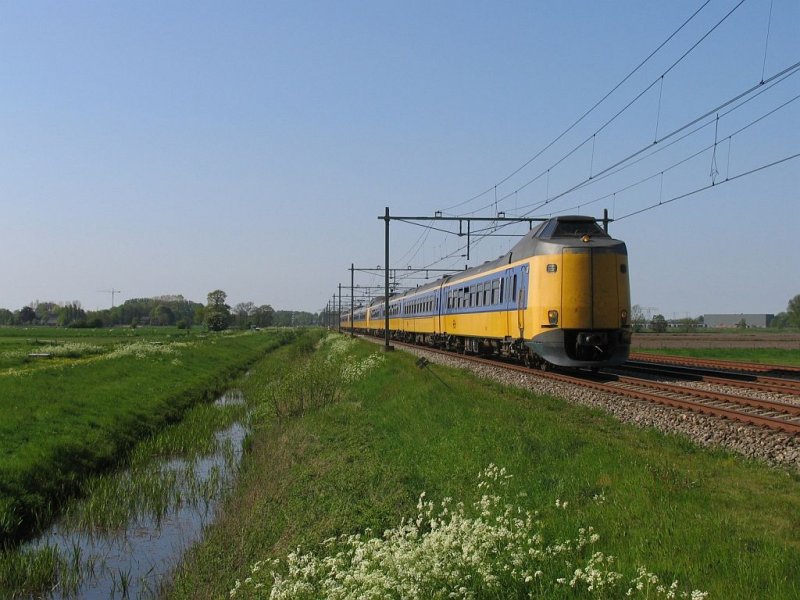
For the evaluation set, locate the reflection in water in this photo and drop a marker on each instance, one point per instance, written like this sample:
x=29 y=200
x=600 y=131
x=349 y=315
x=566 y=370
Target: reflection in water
x=132 y=562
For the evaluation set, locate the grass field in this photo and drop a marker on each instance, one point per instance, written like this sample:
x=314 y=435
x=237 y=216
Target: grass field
x=80 y=411
x=358 y=463
x=770 y=356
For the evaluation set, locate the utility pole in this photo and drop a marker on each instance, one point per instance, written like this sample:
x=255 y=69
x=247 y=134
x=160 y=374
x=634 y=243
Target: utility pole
x=340 y=308
x=352 y=301
x=386 y=346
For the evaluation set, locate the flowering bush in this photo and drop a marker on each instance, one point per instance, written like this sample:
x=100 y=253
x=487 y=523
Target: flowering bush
x=143 y=349
x=354 y=369
x=493 y=549
x=319 y=379
x=68 y=350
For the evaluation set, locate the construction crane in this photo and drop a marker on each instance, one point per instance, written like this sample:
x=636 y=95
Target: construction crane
x=112 y=291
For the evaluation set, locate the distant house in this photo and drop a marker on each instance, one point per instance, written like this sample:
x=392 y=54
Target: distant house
x=750 y=320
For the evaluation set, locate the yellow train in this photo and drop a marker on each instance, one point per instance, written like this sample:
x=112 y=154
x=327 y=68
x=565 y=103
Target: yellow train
x=560 y=296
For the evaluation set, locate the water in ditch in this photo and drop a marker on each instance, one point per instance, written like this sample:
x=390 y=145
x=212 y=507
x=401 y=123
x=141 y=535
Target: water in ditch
x=135 y=559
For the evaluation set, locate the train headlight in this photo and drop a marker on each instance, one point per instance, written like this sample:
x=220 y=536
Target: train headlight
x=623 y=317
x=552 y=316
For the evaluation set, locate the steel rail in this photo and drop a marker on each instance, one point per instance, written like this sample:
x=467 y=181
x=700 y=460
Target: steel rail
x=757 y=383
x=731 y=365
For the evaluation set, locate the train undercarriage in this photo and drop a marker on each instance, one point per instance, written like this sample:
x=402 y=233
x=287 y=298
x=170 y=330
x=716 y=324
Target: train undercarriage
x=551 y=349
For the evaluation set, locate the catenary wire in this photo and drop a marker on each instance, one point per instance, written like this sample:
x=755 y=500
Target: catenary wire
x=585 y=114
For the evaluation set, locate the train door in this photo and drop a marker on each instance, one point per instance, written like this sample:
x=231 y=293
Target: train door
x=508 y=293
x=522 y=299
x=576 y=288
x=589 y=289
x=605 y=291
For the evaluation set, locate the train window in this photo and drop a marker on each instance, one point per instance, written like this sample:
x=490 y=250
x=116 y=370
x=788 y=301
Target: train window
x=571 y=228
x=514 y=288
x=623 y=268
x=552 y=268
x=502 y=281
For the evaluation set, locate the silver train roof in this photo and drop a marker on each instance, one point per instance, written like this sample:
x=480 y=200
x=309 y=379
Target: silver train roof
x=547 y=238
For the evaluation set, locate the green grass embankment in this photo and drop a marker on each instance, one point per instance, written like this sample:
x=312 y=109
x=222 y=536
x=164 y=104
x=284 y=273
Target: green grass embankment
x=77 y=415
x=767 y=356
x=711 y=520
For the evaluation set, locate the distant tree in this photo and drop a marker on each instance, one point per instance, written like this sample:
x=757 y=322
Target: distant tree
x=71 y=313
x=780 y=321
x=243 y=313
x=793 y=311
x=688 y=325
x=26 y=315
x=162 y=315
x=658 y=324
x=265 y=316
x=6 y=317
x=742 y=324
x=638 y=321
x=217 y=313
x=217 y=321
x=216 y=300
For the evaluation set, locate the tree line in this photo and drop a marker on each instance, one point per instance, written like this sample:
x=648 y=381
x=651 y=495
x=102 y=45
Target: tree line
x=171 y=310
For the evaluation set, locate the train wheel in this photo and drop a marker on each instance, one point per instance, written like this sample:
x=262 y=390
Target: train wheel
x=527 y=360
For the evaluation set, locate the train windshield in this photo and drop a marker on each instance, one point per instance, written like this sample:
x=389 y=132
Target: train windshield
x=572 y=228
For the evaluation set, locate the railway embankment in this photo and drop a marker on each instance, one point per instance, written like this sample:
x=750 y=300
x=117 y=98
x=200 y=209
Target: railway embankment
x=417 y=466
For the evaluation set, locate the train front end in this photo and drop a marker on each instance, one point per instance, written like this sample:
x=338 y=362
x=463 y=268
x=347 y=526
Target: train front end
x=580 y=295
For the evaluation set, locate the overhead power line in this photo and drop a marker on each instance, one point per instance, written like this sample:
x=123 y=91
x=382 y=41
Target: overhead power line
x=594 y=106
x=789 y=70
x=712 y=185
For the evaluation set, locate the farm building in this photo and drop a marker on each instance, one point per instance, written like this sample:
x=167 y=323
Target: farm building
x=751 y=320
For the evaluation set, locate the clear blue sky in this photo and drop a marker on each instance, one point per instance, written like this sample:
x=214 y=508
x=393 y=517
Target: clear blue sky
x=180 y=147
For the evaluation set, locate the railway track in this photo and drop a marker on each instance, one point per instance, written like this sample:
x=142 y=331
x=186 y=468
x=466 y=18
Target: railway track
x=775 y=385
x=778 y=416
x=723 y=365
